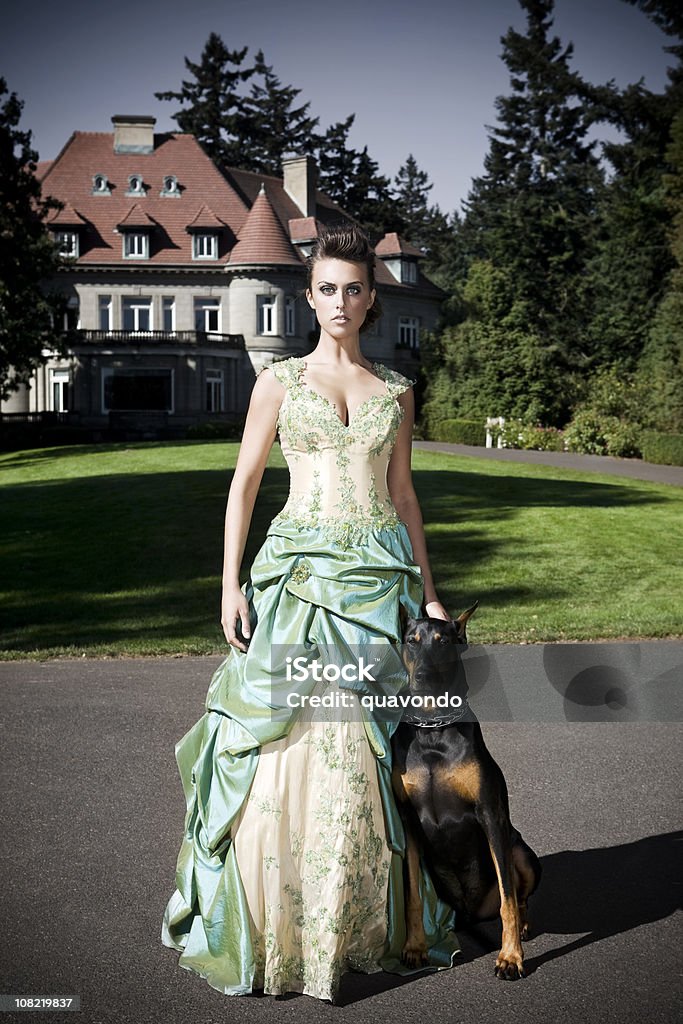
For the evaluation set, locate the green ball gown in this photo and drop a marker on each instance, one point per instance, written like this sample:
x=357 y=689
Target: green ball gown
x=290 y=870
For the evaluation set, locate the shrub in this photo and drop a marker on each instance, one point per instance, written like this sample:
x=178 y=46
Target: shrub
x=666 y=449
x=214 y=429
x=594 y=434
x=458 y=432
x=516 y=434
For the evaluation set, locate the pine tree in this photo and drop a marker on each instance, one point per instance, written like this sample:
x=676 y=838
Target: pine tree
x=412 y=188
x=213 y=110
x=662 y=361
x=369 y=199
x=274 y=126
x=421 y=223
x=530 y=216
x=337 y=161
x=28 y=257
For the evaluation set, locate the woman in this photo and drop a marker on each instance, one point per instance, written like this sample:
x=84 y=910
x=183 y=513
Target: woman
x=290 y=871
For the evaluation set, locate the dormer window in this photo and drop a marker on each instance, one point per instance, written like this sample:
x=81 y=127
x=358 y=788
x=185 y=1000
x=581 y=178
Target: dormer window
x=170 y=186
x=408 y=272
x=136 y=186
x=67 y=243
x=100 y=185
x=204 y=246
x=136 y=245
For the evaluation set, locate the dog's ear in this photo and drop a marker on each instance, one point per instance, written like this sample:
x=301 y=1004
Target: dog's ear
x=462 y=620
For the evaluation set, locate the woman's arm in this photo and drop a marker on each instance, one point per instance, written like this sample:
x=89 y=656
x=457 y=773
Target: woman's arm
x=257 y=439
x=404 y=499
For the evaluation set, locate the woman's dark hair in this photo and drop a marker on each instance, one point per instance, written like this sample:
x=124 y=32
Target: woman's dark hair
x=347 y=242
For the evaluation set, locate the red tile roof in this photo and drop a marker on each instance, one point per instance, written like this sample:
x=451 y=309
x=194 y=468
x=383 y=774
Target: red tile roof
x=248 y=184
x=136 y=217
x=205 y=218
x=66 y=216
x=393 y=245
x=206 y=197
x=262 y=238
x=70 y=178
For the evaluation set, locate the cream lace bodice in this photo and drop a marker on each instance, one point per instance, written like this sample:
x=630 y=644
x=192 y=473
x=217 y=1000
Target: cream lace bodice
x=338 y=473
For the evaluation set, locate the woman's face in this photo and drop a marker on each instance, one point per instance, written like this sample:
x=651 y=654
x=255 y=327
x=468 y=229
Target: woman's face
x=340 y=295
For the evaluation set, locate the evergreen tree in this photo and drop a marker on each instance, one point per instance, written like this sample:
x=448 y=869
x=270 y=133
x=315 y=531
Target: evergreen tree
x=353 y=180
x=662 y=361
x=530 y=216
x=369 y=199
x=28 y=256
x=631 y=259
x=214 y=110
x=412 y=188
x=337 y=161
x=423 y=225
x=273 y=125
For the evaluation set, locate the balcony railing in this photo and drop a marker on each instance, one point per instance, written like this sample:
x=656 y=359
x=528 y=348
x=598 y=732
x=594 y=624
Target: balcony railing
x=85 y=337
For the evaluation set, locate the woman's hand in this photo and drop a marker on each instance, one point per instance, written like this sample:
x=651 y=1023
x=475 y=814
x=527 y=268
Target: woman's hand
x=234 y=609
x=435 y=610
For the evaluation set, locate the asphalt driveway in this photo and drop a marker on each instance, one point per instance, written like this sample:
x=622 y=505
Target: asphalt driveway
x=93 y=813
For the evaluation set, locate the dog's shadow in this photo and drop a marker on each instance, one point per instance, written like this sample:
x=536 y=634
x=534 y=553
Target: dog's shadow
x=593 y=894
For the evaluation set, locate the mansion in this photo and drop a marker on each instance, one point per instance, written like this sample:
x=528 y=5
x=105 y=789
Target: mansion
x=182 y=280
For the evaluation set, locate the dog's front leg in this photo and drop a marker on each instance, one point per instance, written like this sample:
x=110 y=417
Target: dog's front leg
x=415 y=948
x=510 y=961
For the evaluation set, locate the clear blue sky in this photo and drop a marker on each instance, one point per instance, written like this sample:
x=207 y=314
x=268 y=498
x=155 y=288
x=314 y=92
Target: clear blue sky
x=420 y=75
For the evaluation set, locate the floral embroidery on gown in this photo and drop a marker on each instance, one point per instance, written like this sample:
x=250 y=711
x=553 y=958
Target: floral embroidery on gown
x=290 y=870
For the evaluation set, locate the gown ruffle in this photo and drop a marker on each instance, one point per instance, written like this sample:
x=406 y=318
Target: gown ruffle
x=290 y=870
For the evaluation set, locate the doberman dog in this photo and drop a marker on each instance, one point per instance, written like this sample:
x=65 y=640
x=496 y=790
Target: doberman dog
x=454 y=802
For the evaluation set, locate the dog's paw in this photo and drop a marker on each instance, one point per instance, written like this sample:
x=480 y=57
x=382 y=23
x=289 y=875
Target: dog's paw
x=414 y=954
x=509 y=967
x=524 y=931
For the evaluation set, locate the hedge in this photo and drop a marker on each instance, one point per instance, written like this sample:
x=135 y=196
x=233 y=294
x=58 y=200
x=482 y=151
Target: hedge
x=214 y=430
x=459 y=432
x=666 y=449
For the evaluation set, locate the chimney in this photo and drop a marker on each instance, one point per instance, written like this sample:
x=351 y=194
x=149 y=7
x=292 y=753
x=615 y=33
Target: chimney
x=133 y=133
x=300 y=174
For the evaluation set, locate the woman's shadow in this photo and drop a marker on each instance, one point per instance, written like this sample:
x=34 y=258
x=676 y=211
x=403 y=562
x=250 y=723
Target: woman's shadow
x=594 y=894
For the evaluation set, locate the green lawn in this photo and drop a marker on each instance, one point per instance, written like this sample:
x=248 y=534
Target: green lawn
x=117 y=549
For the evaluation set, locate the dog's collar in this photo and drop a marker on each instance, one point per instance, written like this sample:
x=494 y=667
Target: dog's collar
x=437 y=723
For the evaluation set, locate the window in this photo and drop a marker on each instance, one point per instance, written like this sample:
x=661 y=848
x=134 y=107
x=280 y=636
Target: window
x=214 y=391
x=170 y=186
x=207 y=316
x=266 y=315
x=408 y=272
x=136 y=245
x=139 y=389
x=67 y=243
x=136 y=186
x=168 y=311
x=72 y=314
x=408 y=332
x=60 y=390
x=204 y=246
x=290 y=316
x=100 y=185
x=137 y=315
x=105 y=312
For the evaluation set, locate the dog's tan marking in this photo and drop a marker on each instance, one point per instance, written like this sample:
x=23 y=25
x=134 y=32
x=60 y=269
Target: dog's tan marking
x=415 y=949
x=464 y=779
x=510 y=962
